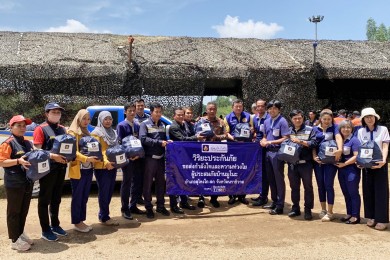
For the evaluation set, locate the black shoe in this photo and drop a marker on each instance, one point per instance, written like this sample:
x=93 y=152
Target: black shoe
x=187 y=206
x=163 y=211
x=140 y=201
x=177 y=210
x=256 y=199
x=215 y=203
x=201 y=203
x=270 y=206
x=345 y=219
x=127 y=215
x=243 y=201
x=260 y=202
x=276 y=211
x=308 y=215
x=357 y=221
x=149 y=213
x=136 y=210
x=232 y=200
x=294 y=213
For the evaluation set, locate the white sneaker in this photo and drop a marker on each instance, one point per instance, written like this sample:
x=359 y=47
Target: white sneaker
x=110 y=222
x=328 y=217
x=322 y=213
x=20 y=245
x=25 y=238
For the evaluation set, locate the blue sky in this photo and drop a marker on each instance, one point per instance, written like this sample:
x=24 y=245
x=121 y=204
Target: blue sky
x=285 y=19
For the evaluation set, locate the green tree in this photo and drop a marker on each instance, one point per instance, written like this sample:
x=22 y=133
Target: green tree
x=371 y=29
x=381 y=33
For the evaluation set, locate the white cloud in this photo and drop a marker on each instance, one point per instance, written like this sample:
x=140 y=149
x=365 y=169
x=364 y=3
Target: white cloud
x=74 y=26
x=232 y=27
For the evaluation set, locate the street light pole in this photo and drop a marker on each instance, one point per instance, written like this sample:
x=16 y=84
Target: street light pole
x=315 y=20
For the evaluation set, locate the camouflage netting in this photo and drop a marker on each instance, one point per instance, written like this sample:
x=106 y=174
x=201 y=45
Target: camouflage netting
x=78 y=70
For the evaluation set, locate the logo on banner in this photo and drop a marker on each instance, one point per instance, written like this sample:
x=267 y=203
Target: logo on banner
x=214 y=148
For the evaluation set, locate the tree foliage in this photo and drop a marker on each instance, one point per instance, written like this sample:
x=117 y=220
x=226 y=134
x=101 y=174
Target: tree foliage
x=377 y=33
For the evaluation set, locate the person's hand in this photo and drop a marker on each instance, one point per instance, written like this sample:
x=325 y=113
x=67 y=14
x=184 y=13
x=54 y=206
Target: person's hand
x=337 y=155
x=378 y=165
x=133 y=158
x=264 y=143
x=110 y=166
x=317 y=159
x=24 y=163
x=92 y=159
x=58 y=158
x=340 y=164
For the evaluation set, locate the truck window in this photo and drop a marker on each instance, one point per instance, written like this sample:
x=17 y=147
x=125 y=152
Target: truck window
x=114 y=115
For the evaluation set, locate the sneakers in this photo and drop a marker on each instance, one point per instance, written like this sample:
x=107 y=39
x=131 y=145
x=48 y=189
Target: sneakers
x=322 y=213
x=308 y=215
x=232 y=200
x=371 y=222
x=49 y=236
x=59 y=231
x=110 y=222
x=82 y=227
x=20 y=245
x=201 y=203
x=215 y=203
x=25 y=238
x=149 y=213
x=328 y=217
x=381 y=226
x=127 y=215
x=163 y=211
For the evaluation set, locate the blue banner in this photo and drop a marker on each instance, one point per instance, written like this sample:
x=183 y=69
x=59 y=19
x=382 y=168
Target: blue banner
x=210 y=168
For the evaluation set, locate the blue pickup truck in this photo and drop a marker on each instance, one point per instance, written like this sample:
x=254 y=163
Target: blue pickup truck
x=117 y=113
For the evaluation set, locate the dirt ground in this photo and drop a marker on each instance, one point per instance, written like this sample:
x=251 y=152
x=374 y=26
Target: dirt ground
x=229 y=232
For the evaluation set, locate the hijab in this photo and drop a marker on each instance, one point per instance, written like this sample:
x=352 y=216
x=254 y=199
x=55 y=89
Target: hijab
x=108 y=134
x=75 y=125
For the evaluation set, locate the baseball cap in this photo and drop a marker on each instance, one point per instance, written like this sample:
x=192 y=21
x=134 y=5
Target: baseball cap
x=19 y=118
x=53 y=105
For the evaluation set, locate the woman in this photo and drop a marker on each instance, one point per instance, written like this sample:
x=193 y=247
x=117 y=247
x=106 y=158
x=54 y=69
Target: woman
x=326 y=173
x=18 y=188
x=80 y=173
x=105 y=172
x=349 y=173
x=375 y=179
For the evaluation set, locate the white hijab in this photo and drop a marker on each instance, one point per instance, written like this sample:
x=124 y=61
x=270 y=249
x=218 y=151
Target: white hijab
x=108 y=134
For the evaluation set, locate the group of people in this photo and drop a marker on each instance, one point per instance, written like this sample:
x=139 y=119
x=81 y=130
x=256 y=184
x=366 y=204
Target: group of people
x=268 y=128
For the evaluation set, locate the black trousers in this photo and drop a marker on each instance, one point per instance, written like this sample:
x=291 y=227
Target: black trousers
x=376 y=194
x=49 y=198
x=297 y=173
x=18 y=204
x=264 y=176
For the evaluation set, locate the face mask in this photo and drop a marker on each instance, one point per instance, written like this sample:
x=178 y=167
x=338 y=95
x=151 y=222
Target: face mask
x=53 y=118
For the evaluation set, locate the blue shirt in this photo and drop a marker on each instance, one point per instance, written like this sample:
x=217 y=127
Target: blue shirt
x=276 y=129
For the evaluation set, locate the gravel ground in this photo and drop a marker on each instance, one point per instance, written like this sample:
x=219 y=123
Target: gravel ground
x=230 y=232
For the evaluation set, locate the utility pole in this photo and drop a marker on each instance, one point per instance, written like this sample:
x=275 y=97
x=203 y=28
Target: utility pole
x=315 y=20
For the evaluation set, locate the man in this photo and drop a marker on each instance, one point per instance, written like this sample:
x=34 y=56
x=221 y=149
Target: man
x=238 y=115
x=302 y=171
x=132 y=173
x=154 y=140
x=51 y=185
x=141 y=116
x=178 y=132
x=342 y=115
x=258 y=123
x=220 y=134
x=276 y=130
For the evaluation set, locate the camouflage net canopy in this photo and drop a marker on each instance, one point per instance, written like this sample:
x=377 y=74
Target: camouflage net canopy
x=77 y=70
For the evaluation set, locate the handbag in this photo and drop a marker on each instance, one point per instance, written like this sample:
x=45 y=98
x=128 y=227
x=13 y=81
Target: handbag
x=40 y=164
x=289 y=151
x=326 y=152
x=65 y=145
x=116 y=154
x=369 y=154
x=133 y=147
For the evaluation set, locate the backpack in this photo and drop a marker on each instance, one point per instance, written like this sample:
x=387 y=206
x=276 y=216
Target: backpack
x=242 y=132
x=89 y=146
x=289 y=151
x=133 y=147
x=326 y=152
x=368 y=154
x=116 y=154
x=40 y=164
x=204 y=128
x=65 y=145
